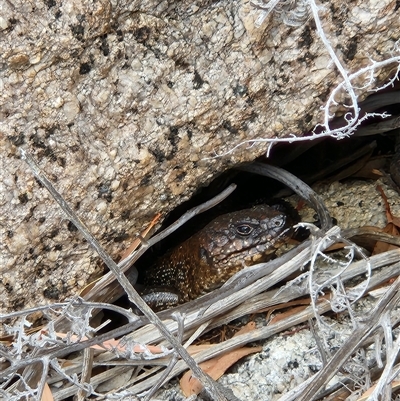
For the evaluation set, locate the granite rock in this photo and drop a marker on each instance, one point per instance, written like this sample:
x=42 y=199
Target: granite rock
x=124 y=104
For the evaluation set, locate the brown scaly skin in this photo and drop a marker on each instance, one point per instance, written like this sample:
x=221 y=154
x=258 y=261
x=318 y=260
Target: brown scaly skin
x=210 y=257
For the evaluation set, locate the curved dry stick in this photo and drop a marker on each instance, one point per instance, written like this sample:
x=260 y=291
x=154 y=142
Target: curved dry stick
x=379 y=100
x=294 y=183
x=372 y=234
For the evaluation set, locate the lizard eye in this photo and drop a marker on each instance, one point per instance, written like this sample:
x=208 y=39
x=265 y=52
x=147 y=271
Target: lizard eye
x=244 y=229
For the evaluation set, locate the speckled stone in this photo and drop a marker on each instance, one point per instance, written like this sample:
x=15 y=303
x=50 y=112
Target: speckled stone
x=121 y=102
x=354 y=203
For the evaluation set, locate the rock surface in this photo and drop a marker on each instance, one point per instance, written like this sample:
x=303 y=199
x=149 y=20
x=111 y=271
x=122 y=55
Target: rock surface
x=121 y=102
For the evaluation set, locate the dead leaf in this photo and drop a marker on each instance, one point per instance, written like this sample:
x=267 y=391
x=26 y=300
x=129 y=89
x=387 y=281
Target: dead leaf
x=246 y=329
x=335 y=247
x=47 y=394
x=291 y=312
x=390 y=218
x=371 y=170
x=195 y=349
x=216 y=367
x=86 y=289
x=391 y=228
x=395 y=386
x=300 y=205
x=274 y=308
x=191 y=385
x=380 y=246
x=143 y=234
